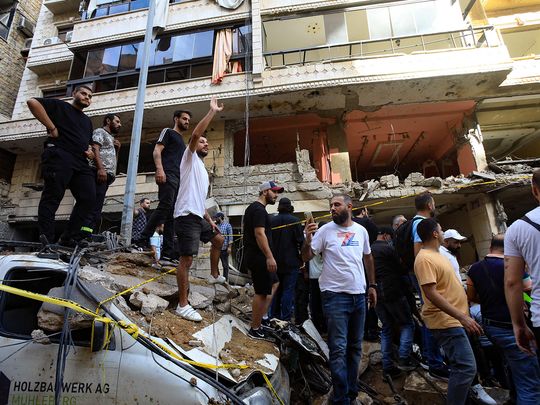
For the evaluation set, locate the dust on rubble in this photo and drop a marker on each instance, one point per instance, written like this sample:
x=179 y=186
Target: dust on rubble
x=243 y=348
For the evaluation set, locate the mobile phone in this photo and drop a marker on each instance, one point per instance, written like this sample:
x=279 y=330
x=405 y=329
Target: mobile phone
x=309 y=217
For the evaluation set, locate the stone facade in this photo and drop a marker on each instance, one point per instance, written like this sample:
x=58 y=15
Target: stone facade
x=11 y=61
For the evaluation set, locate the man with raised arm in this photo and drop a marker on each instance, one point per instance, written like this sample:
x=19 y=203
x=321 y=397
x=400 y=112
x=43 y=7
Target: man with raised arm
x=191 y=220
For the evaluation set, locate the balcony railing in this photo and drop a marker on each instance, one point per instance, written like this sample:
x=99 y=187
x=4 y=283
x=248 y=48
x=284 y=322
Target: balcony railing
x=472 y=37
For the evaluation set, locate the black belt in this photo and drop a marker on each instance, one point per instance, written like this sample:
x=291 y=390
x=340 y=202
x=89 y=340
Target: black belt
x=497 y=324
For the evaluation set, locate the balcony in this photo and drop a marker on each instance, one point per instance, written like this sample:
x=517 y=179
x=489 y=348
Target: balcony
x=54 y=57
x=61 y=6
x=132 y=24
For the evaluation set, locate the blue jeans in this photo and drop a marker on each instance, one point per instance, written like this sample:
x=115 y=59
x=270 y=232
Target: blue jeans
x=345 y=315
x=395 y=314
x=524 y=368
x=283 y=302
x=457 y=348
x=430 y=349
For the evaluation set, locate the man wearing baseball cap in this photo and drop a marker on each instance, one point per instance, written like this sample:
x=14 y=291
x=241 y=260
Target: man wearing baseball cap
x=258 y=255
x=450 y=248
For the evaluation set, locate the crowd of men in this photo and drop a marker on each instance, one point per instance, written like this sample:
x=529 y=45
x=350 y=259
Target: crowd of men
x=344 y=274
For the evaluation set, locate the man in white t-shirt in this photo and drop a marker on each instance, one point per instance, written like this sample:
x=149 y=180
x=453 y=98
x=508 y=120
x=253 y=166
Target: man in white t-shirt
x=191 y=220
x=522 y=246
x=345 y=249
x=450 y=248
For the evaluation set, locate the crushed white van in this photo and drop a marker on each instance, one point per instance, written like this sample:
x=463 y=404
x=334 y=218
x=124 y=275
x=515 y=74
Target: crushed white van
x=124 y=369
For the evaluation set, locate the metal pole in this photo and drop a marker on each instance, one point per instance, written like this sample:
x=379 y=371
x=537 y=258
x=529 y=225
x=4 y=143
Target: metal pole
x=129 y=196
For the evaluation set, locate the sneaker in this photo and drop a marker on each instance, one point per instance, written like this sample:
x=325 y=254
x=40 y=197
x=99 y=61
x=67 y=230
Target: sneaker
x=480 y=394
x=156 y=266
x=260 y=334
x=392 y=372
x=439 y=374
x=167 y=261
x=407 y=364
x=216 y=280
x=188 y=313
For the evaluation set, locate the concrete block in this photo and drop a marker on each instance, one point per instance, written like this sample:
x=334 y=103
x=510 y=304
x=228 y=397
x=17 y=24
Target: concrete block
x=389 y=181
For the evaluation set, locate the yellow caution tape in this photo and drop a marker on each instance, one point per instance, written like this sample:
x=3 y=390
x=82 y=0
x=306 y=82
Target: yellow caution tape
x=130 y=328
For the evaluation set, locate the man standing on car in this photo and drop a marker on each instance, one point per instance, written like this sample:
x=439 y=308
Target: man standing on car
x=64 y=163
x=192 y=221
x=105 y=147
x=345 y=250
x=167 y=156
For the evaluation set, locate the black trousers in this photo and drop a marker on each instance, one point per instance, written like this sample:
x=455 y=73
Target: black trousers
x=224 y=256
x=61 y=170
x=101 y=190
x=167 y=194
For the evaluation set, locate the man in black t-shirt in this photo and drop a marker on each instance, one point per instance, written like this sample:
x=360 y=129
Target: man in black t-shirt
x=259 y=256
x=64 y=163
x=167 y=155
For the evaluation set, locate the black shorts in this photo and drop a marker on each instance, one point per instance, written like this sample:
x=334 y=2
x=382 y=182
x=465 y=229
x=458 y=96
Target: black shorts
x=190 y=229
x=263 y=280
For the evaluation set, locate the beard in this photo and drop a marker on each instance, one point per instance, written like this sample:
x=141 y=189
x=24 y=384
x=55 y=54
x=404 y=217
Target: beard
x=340 y=218
x=452 y=250
x=202 y=154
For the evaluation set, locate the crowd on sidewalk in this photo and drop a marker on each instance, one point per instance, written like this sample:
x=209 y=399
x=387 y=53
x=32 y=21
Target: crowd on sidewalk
x=348 y=275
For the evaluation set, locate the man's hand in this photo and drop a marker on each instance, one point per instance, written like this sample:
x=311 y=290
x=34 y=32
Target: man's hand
x=116 y=144
x=271 y=265
x=214 y=106
x=89 y=153
x=525 y=340
x=53 y=133
x=229 y=250
x=310 y=229
x=101 y=176
x=161 y=178
x=214 y=226
x=372 y=297
x=471 y=326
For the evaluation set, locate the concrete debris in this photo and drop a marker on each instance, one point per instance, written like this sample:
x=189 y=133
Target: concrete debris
x=38 y=336
x=436 y=182
x=413 y=179
x=198 y=300
x=390 y=181
x=195 y=343
x=96 y=275
x=148 y=303
x=51 y=316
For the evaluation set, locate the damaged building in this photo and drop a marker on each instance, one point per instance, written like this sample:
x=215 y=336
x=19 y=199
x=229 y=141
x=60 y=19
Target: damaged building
x=379 y=99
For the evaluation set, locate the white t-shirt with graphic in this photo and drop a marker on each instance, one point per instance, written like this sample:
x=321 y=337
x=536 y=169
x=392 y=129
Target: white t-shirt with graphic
x=343 y=250
x=193 y=186
x=523 y=240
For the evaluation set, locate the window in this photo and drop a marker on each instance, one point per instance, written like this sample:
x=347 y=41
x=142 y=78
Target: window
x=6 y=18
x=18 y=315
x=62 y=32
x=172 y=58
x=128 y=57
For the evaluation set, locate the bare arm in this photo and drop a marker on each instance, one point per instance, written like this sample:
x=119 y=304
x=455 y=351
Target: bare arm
x=38 y=111
x=370 y=271
x=211 y=221
x=514 y=269
x=472 y=295
x=203 y=124
x=262 y=242
x=156 y=154
x=101 y=173
x=440 y=302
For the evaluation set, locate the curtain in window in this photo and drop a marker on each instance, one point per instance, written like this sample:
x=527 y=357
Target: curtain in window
x=222 y=54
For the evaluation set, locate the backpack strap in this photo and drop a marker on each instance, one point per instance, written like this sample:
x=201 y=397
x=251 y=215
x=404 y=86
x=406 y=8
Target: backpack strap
x=532 y=223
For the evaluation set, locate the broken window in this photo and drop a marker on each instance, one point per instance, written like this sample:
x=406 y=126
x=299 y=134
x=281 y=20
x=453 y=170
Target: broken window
x=364 y=31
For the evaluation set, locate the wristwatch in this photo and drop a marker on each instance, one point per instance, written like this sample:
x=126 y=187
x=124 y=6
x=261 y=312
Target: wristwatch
x=373 y=285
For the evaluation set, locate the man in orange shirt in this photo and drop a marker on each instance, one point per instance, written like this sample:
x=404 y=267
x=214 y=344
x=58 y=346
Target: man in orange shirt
x=445 y=310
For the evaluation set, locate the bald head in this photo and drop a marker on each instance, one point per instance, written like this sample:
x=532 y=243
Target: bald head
x=497 y=244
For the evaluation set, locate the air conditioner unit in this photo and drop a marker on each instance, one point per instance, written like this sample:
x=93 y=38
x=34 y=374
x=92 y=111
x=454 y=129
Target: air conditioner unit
x=26 y=27
x=52 y=41
x=27 y=43
x=69 y=35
